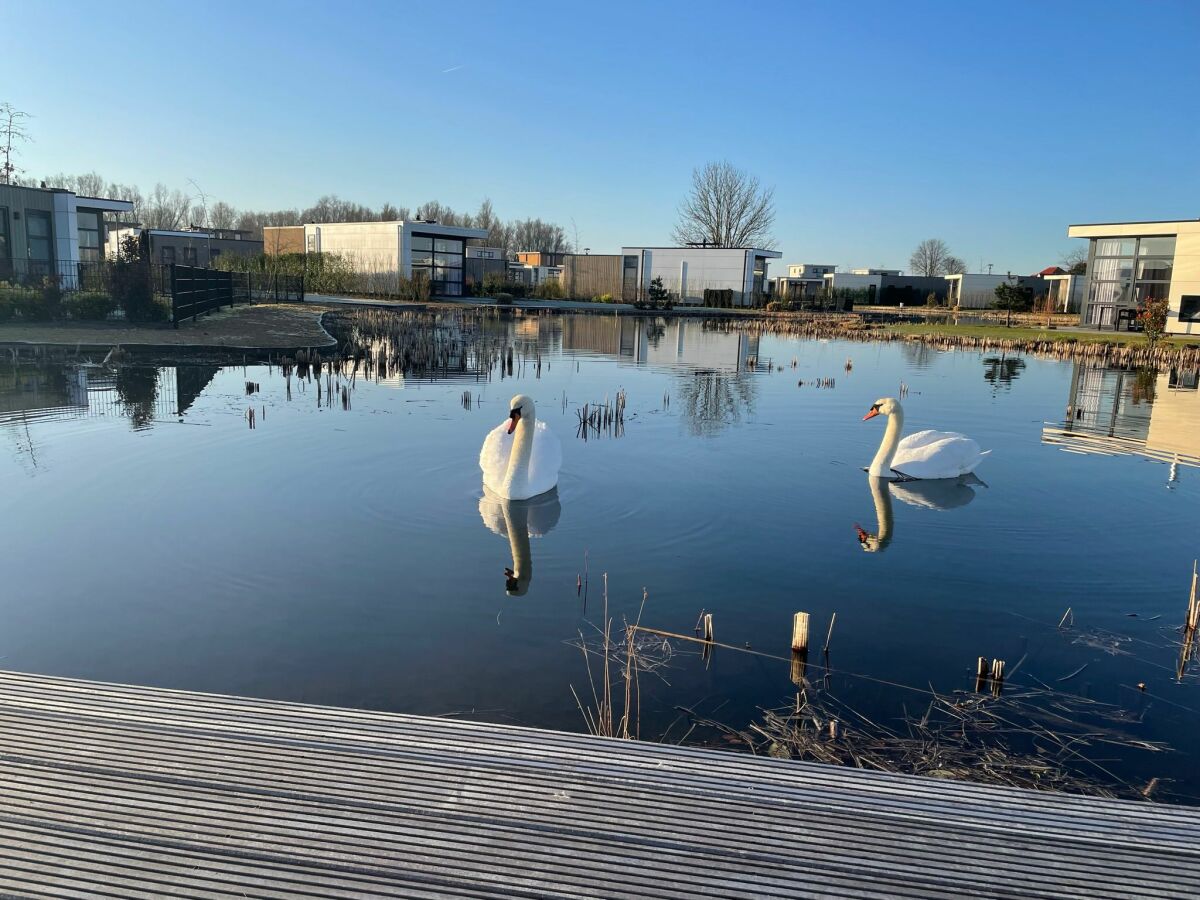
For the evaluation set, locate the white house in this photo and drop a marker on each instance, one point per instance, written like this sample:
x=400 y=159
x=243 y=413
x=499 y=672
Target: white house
x=1066 y=291
x=687 y=272
x=979 y=291
x=802 y=280
x=1132 y=262
x=389 y=249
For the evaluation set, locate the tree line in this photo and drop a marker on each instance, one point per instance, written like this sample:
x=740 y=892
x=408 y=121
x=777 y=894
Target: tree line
x=174 y=209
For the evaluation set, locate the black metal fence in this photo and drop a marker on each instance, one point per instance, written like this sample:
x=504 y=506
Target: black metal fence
x=274 y=287
x=195 y=291
x=77 y=275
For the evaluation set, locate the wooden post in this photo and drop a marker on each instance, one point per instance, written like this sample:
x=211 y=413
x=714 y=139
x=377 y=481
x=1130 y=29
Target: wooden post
x=981 y=673
x=800 y=632
x=708 y=627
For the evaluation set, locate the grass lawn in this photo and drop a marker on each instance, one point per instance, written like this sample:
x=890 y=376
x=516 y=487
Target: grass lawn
x=1032 y=333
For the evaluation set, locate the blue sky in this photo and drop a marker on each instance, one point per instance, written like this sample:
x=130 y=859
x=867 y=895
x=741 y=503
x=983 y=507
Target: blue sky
x=990 y=125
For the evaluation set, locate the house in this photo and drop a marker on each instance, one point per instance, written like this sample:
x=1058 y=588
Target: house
x=537 y=258
x=190 y=247
x=51 y=232
x=1132 y=262
x=876 y=272
x=390 y=250
x=884 y=287
x=689 y=273
x=802 y=280
x=979 y=291
x=1065 y=291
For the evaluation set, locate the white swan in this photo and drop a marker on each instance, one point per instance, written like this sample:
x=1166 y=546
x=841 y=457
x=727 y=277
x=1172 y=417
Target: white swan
x=924 y=455
x=519 y=520
x=520 y=459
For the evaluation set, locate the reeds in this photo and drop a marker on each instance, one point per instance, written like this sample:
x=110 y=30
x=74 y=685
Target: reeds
x=605 y=418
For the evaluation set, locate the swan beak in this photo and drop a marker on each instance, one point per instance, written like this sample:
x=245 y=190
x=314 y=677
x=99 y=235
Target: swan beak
x=862 y=534
x=872 y=414
x=513 y=417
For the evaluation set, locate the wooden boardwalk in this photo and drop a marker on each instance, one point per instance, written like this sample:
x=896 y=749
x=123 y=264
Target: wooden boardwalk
x=108 y=790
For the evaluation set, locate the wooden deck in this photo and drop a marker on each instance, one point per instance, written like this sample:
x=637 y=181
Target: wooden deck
x=108 y=790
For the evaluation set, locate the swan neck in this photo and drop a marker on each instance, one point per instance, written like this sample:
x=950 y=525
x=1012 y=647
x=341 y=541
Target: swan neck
x=517 y=526
x=881 y=465
x=522 y=451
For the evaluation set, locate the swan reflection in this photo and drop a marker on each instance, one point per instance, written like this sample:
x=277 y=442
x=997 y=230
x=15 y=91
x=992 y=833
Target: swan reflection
x=519 y=520
x=939 y=494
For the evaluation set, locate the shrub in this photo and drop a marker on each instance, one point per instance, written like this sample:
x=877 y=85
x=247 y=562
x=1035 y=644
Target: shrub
x=605 y=298
x=52 y=298
x=777 y=306
x=23 y=302
x=90 y=305
x=413 y=290
x=1153 y=319
x=549 y=290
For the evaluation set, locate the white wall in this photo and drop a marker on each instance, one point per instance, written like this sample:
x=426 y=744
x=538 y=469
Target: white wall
x=707 y=268
x=1185 y=278
x=371 y=247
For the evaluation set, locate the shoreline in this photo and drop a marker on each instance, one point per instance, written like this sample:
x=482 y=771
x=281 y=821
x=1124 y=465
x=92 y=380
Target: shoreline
x=273 y=328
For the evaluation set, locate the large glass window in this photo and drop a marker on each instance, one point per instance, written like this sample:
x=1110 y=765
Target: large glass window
x=167 y=255
x=440 y=259
x=89 y=236
x=1157 y=246
x=39 y=235
x=1112 y=269
x=1114 y=246
x=1154 y=269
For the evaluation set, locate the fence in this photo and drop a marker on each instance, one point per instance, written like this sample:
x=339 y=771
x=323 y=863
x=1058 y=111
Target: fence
x=275 y=287
x=195 y=291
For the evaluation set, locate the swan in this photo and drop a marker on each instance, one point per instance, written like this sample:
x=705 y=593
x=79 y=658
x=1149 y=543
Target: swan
x=519 y=520
x=924 y=455
x=520 y=458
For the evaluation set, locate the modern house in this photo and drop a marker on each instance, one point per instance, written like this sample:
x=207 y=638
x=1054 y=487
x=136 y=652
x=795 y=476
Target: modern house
x=1066 y=291
x=388 y=250
x=51 y=232
x=1132 y=262
x=876 y=272
x=979 y=291
x=692 y=273
x=802 y=280
x=537 y=258
x=883 y=287
x=191 y=247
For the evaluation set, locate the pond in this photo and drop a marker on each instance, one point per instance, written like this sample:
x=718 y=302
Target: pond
x=336 y=546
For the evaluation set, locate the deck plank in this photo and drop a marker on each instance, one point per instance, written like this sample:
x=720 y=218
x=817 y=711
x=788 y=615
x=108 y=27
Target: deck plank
x=116 y=789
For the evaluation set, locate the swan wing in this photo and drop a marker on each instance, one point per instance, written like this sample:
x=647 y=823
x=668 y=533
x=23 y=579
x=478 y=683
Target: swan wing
x=946 y=455
x=545 y=461
x=494 y=456
x=940 y=494
x=917 y=439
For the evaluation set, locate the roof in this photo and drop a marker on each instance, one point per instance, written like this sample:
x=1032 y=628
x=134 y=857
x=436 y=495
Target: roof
x=757 y=251
x=1052 y=270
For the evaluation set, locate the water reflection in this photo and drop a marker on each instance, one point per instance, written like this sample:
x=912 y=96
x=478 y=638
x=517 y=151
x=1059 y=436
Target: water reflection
x=712 y=401
x=55 y=390
x=1002 y=371
x=519 y=520
x=677 y=343
x=1114 y=411
x=939 y=494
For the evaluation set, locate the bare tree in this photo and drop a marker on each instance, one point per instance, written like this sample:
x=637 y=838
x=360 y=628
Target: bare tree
x=930 y=258
x=1075 y=260
x=954 y=266
x=12 y=131
x=166 y=209
x=222 y=215
x=726 y=207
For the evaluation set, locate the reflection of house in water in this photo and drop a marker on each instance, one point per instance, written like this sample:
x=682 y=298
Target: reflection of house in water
x=141 y=393
x=678 y=343
x=1118 y=411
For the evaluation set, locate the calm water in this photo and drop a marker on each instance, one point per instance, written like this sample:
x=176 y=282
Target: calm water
x=341 y=555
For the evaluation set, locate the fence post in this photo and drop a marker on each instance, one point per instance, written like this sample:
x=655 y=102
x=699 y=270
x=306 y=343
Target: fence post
x=174 y=298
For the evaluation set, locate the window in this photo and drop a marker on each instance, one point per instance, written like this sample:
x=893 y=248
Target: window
x=1157 y=246
x=189 y=256
x=439 y=259
x=89 y=235
x=1114 y=246
x=5 y=253
x=1189 y=307
x=167 y=254
x=1154 y=269
x=39 y=235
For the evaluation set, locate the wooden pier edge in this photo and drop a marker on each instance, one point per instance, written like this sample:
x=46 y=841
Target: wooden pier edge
x=142 y=791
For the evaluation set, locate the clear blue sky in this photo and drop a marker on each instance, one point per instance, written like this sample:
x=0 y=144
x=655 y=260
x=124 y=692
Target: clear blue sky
x=990 y=125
